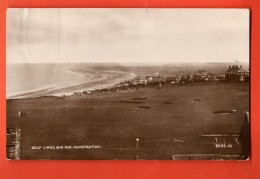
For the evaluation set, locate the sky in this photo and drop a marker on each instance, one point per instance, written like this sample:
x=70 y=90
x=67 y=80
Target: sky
x=127 y=35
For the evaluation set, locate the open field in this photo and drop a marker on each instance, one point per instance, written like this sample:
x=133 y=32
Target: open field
x=167 y=121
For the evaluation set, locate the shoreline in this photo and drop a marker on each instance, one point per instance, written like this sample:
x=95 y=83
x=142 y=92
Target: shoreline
x=70 y=89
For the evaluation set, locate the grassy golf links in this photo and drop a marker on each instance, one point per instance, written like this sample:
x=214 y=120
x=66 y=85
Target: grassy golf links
x=167 y=121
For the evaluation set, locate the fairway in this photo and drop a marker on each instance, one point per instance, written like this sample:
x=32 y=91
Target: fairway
x=167 y=121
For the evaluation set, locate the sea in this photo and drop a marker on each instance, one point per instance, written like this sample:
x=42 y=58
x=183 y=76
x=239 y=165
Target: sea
x=34 y=80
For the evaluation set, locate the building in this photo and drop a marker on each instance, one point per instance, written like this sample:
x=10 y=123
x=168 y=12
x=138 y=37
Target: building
x=236 y=73
x=13 y=136
x=200 y=75
x=245 y=137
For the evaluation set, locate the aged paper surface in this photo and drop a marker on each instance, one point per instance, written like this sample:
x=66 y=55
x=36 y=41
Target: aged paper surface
x=144 y=84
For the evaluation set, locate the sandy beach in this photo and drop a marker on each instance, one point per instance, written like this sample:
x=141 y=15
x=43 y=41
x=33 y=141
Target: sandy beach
x=79 y=82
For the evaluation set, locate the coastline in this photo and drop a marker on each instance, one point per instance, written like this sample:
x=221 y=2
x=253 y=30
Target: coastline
x=71 y=87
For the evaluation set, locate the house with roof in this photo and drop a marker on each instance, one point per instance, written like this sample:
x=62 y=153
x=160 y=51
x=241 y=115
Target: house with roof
x=236 y=73
x=200 y=75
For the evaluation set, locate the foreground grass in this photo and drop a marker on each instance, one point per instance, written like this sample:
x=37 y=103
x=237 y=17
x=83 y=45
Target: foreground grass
x=172 y=122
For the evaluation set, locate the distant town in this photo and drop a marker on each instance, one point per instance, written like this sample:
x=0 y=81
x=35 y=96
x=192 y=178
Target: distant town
x=234 y=73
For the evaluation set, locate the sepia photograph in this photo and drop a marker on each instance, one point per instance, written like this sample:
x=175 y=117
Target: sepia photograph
x=127 y=84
